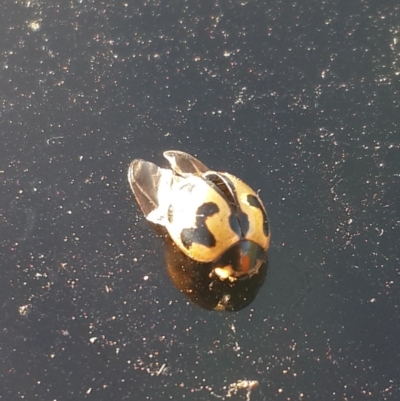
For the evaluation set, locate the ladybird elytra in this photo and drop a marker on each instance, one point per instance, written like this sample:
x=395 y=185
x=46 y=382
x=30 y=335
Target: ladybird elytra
x=203 y=237
x=252 y=207
x=248 y=208
x=212 y=217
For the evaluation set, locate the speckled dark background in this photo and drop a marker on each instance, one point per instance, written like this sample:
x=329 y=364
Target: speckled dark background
x=300 y=99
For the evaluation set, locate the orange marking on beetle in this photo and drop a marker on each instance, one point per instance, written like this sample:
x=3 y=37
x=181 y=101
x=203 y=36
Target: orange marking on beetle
x=246 y=263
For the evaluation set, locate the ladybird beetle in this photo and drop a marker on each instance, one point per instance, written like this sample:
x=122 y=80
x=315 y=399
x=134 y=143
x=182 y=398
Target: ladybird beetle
x=212 y=217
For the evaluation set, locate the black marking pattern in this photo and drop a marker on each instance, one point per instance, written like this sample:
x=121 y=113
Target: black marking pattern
x=239 y=223
x=200 y=234
x=253 y=201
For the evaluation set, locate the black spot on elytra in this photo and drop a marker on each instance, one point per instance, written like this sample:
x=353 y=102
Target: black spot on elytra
x=253 y=201
x=200 y=234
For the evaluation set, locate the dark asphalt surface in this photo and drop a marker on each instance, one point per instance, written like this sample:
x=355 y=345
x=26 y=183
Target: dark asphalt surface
x=300 y=99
